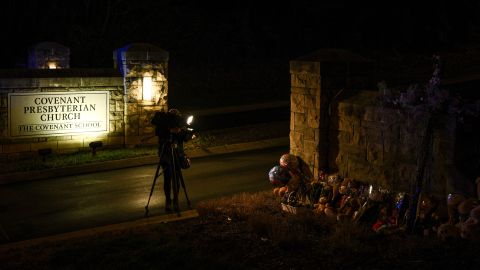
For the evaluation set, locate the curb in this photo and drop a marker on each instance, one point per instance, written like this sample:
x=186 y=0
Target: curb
x=239 y=108
x=99 y=230
x=135 y=162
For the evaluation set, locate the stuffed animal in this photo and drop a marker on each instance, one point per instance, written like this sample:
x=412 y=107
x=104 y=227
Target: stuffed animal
x=427 y=214
x=349 y=205
x=280 y=191
x=448 y=232
x=386 y=221
x=294 y=182
x=470 y=229
x=343 y=217
x=330 y=211
x=453 y=200
x=289 y=161
x=465 y=207
x=301 y=177
x=475 y=214
x=319 y=209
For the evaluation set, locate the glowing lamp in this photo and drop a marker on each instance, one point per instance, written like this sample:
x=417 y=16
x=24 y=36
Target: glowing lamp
x=52 y=65
x=147 y=88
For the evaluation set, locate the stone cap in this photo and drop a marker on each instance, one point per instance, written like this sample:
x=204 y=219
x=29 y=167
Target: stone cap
x=59 y=73
x=140 y=52
x=42 y=54
x=363 y=98
x=333 y=55
x=339 y=68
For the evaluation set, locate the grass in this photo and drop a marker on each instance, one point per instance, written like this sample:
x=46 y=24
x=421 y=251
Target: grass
x=204 y=139
x=246 y=231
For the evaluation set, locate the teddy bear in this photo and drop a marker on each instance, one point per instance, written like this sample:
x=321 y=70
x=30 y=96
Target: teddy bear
x=465 y=207
x=317 y=187
x=330 y=193
x=428 y=219
x=326 y=195
x=301 y=175
x=349 y=201
x=448 y=232
x=453 y=201
x=470 y=229
x=330 y=211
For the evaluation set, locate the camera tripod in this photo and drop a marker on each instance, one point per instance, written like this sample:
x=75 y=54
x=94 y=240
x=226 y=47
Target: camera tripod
x=176 y=176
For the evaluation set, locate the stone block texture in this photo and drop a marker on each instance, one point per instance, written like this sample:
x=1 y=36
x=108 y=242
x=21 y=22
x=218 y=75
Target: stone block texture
x=337 y=128
x=129 y=115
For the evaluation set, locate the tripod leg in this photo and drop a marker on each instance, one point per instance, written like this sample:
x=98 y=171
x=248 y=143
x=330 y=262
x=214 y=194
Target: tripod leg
x=181 y=181
x=175 y=182
x=4 y=233
x=153 y=186
x=176 y=207
x=185 y=190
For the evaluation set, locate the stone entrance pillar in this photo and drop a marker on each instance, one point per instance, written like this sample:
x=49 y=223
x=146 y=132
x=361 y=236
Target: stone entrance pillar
x=144 y=68
x=318 y=80
x=305 y=113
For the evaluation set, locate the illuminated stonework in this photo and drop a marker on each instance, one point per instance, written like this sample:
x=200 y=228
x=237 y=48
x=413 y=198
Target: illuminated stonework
x=337 y=127
x=52 y=106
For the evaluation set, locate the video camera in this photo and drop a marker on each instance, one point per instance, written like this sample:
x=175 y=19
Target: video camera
x=165 y=121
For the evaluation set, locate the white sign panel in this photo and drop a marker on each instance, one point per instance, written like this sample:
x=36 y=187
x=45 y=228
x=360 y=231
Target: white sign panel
x=57 y=113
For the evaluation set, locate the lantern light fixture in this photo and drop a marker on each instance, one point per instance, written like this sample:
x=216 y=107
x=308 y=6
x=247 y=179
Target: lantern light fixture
x=147 y=88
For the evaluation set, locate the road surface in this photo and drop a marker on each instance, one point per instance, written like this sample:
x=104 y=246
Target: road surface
x=46 y=207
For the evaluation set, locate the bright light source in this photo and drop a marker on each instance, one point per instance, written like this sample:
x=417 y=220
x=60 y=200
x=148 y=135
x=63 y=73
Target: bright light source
x=147 y=88
x=370 y=189
x=52 y=65
x=189 y=119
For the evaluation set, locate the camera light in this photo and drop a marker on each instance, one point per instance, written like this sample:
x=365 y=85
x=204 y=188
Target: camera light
x=189 y=119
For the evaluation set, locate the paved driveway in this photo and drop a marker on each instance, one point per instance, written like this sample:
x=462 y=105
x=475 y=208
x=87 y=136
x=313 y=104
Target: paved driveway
x=40 y=208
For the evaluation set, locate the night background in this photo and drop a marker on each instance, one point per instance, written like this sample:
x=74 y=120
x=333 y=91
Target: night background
x=235 y=44
x=242 y=31
x=239 y=31
x=226 y=53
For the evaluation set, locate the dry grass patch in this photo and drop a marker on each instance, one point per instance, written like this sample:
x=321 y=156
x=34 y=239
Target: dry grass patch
x=247 y=231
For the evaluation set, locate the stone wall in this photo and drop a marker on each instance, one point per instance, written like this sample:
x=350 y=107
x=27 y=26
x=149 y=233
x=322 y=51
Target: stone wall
x=15 y=148
x=129 y=112
x=380 y=145
x=336 y=127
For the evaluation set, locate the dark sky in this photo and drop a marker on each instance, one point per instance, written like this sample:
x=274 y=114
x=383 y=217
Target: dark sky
x=235 y=32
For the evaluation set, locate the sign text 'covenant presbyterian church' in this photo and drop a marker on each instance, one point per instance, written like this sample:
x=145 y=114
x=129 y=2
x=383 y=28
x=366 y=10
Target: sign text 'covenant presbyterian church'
x=57 y=113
